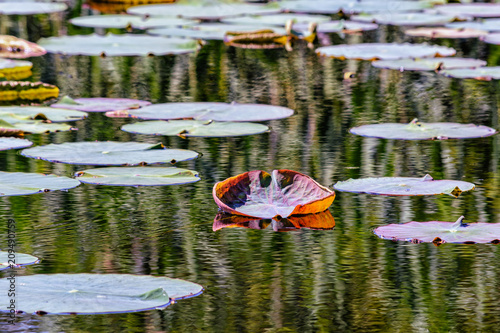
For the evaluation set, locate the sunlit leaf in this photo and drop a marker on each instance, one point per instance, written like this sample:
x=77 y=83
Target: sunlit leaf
x=22 y=183
x=429 y=64
x=16 y=260
x=277 y=195
x=95 y=293
x=99 y=104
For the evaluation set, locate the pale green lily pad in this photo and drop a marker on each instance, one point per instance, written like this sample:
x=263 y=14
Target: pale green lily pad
x=405 y=19
x=195 y=128
x=128 y=21
x=423 y=131
x=338 y=26
x=384 y=51
x=138 y=176
x=429 y=64
x=16 y=260
x=20 y=127
x=276 y=19
x=22 y=183
x=95 y=293
x=23 y=8
x=352 y=6
x=14 y=114
x=404 y=186
x=109 y=153
x=117 y=45
x=14 y=143
x=470 y=9
x=480 y=73
x=441 y=32
x=491 y=25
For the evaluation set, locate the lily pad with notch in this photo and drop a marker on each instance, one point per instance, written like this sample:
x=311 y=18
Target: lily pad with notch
x=19 y=260
x=416 y=130
x=404 y=186
x=65 y=294
x=277 y=195
x=99 y=104
x=138 y=176
x=195 y=128
x=429 y=64
x=22 y=183
x=109 y=153
x=439 y=232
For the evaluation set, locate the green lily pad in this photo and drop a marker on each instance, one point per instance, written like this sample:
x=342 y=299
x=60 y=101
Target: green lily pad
x=20 y=127
x=128 y=21
x=109 y=153
x=22 y=183
x=404 y=186
x=384 y=51
x=423 y=131
x=137 y=176
x=14 y=143
x=99 y=104
x=276 y=19
x=206 y=111
x=117 y=45
x=429 y=64
x=470 y=9
x=195 y=128
x=491 y=25
x=16 y=260
x=14 y=114
x=352 y=6
x=405 y=19
x=23 y=8
x=439 y=232
x=15 y=69
x=480 y=73
x=440 y=32
x=95 y=293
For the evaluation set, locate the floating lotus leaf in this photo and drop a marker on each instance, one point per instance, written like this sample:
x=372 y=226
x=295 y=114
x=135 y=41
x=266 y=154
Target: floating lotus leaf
x=20 y=91
x=352 y=6
x=384 y=51
x=109 y=153
x=21 y=127
x=480 y=73
x=95 y=293
x=117 y=45
x=17 y=260
x=195 y=128
x=14 y=114
x=338 y=26
x=423 y=131
x=439 y=232
x=429 y=64
x=276 y=19
x=128 y=21
x=22 y=183
x=22 y=8
x=405 y=19
x=99 y=104
x=13 y=47
x=404 y=186
x=491 y=25
x=277 y=195
x=15 y=69
x=470 y=9
x=318 y=221
x=138 y=176
x=207 y=11
x=441 y=32
x=14 y=143
x=206 y=111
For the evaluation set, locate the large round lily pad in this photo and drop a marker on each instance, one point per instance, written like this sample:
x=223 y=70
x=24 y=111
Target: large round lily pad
x=404 y=186
x=138 y=176
x=491 y=25
x=14 y=143
x=439 y=232
x=384 y=51
x=195 y=128
x=423 y=131
x=338 y=26
x=405 y=19
x=15 y=69
x=99 y=104
x=117 y=45
x=14 y=114
x=23 y=8
x=109 y=153
x=277 y=19
x=429 y=64
x=16 y=260
x=441 y=32
x=95 y=293
x=22 y=183
x=479 y=73
x=206 y=111
x=128 y=21
x=470 y=9
x=277 y=195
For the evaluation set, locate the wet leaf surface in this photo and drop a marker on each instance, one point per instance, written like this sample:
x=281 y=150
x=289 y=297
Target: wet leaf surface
x=99 y=104
x=22 y=183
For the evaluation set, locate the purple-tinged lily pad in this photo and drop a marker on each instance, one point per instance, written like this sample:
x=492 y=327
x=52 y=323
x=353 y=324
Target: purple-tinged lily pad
x=137 y=176
x=65 y=294
x=338 y=26
x=405 y=19
x=439 y=232
x=479 y=73
x=14 y=143
x=206 y=111
x=277 y=195
x=15 y=69
x=13 y=47
x=128 y=22
x=109 y=153
x=99 y=104
x=429 y=64
x=31 y=8
x=384 y=51
x=491 y=25
x=318 y=221
x=19 y=260
x=22 y=183
x=441 y=32
x=470 y=9
x=416 y=130
x=404 y=186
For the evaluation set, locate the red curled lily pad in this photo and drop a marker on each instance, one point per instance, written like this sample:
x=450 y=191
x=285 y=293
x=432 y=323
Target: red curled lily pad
x=404 y=186
x=439 y=232
x=99 y=104
x=277 y=195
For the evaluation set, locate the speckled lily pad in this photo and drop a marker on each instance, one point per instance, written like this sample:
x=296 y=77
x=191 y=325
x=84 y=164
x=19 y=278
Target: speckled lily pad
x=99 y=104
x=22 y=183
x=429 y=64
x=128 y=21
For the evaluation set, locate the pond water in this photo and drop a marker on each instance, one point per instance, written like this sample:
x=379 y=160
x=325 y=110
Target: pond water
x=340 y=280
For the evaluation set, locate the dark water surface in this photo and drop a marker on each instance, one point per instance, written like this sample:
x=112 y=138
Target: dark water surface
x=340 y=280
